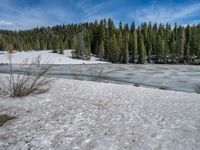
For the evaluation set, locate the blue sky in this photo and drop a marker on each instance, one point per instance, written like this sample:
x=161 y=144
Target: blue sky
x=26 y=14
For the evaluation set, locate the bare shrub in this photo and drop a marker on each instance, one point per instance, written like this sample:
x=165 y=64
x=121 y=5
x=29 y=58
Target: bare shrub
x=26 y=81
x=4 y=119
x=92 y=74
x=197 y=88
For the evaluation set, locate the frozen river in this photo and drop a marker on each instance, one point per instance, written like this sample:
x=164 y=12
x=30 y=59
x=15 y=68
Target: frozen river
x=171 y=77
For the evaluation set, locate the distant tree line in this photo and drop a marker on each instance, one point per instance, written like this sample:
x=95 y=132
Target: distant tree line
x=147 y=43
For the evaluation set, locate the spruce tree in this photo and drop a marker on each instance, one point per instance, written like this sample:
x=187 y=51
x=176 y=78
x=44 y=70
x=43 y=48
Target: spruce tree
x=160 y=49
x=149 y=49
x=141 y=49
x=121 y=45
x=135 y=47
x=107 y=45
x=100 y=42
x=37 y=45
x=101 y=50
x=61 y=48
x=2 y=44
x=87 y=45
x=114 y=50
x=55 y=45
x=80 y=51
x=111 y=27
x=187 y=43
x=66 y=44
x=133 y=28
x=125 y=50
x=9 y=47
x=182 y=42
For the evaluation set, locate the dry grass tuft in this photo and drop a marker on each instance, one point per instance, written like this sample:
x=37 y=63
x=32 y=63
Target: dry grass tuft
x=26 y=81
x=4 y=119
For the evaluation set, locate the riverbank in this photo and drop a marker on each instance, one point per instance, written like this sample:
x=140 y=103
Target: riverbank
x=89 y=115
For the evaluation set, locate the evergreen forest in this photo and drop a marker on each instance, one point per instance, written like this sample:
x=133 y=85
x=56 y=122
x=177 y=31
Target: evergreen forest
x=124 y=43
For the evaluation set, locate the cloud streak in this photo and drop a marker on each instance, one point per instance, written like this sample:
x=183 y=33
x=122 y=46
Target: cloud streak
x=167 y=13
x=23 y=14
x=6 y=23
x=94 y=11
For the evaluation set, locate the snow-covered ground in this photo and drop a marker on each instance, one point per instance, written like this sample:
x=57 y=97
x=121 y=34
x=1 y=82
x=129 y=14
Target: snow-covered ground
x=46 y=57
x=87 y=115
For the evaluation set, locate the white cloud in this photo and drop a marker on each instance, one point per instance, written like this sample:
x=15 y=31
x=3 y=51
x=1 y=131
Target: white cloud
x=49 y=13
x=6 y=23
x=95 y=11
x=166 y=14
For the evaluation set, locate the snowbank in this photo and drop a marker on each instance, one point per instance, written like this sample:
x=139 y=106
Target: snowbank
x=47 y=57
x=86 y=115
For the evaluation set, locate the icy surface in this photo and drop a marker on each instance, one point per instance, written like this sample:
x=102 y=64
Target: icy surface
x=170 y=77
x=47 y=57
x=86 y=115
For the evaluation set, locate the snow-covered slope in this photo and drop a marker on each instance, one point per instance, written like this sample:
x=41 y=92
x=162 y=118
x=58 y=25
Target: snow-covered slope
x=86 y=115
x=47 y=57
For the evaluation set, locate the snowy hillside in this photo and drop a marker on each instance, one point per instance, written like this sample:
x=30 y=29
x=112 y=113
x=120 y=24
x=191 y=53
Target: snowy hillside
x=85 y=115
x=47 y=57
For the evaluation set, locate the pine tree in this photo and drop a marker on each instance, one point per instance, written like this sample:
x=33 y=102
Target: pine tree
x=141 y=49
x=61 y=48
x=120 y=26
x=87 y=45
x=107 y=45
x=160 y=49
x=95 y=37
x=144 y=30
x=114 y=50
x=187 y=53
x=55 y=45
x=187 y=43
x=198 y=43
x=101 y=40
x=81 y=52
x=101 y=50
x=133 y=28
x=37 y=45
x=49 y=46
x=9 y=47
x=42 y=47
x=75 y=52
x=2 y=44
x=182 y=42
x=135 y=47
x=121 y=45
x=149 y=49
x=154 y=40
x=111 y=27
x=125 y=50
x=66 y=43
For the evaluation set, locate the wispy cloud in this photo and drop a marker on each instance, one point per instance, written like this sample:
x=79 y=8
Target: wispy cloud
x=51 y=12
x=97 y=11
x=45 y=13
x=6 y=23
x=167 y=13
x=25 y=14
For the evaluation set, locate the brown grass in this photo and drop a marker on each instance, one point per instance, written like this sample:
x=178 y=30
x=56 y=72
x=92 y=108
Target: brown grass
x=4 y=119
x=26 y=81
